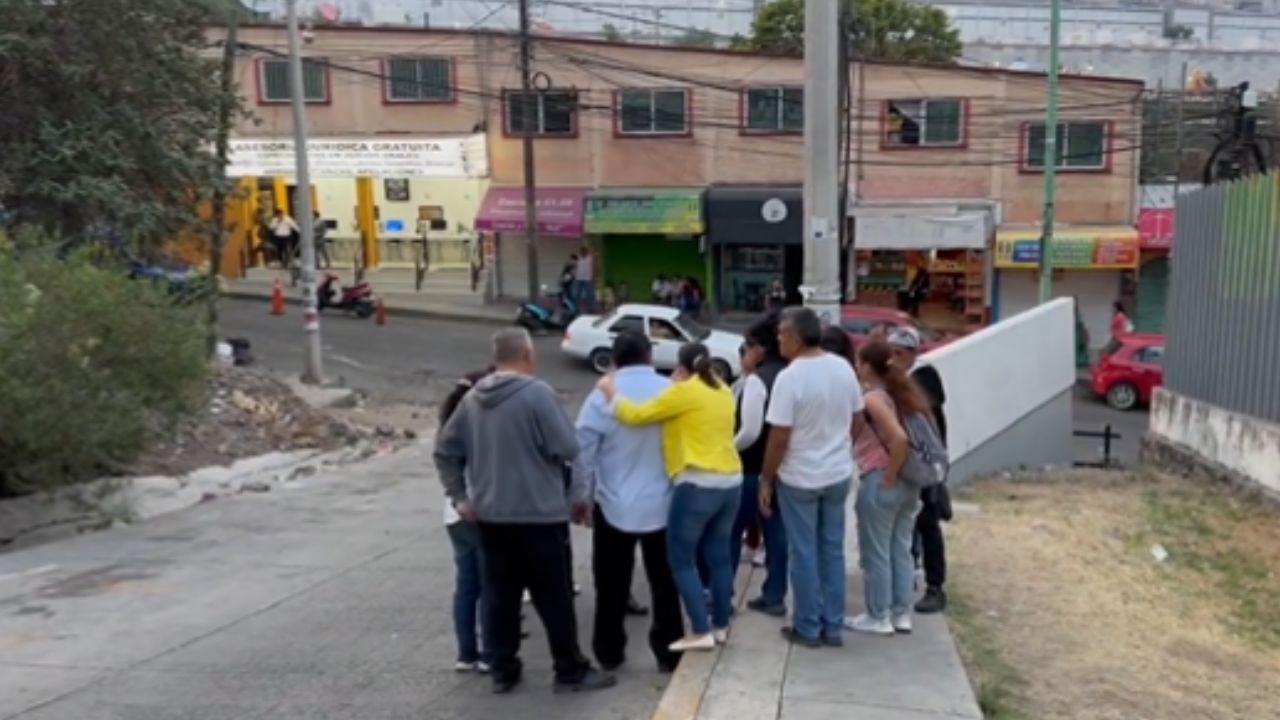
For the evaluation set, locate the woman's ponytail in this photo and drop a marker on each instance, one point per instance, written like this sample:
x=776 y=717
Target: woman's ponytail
x=695 y=358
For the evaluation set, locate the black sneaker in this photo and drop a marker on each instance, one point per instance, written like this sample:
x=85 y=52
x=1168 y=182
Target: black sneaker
x=761 y=605
x=934 y=601
x=835 y=641
x=789 y=633
x=505 y=685
x=591 y=679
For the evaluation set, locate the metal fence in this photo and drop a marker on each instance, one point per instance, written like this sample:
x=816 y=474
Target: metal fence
x=1223 y=315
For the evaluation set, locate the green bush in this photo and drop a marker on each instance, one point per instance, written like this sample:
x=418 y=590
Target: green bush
x=90 y=363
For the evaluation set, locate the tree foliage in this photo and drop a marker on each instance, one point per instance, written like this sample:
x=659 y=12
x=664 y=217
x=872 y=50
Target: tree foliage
x=109 y=113
x=888 y=30
x=612 y=33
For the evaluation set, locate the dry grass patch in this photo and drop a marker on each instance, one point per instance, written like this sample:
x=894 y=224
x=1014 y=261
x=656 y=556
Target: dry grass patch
x=1062 y=610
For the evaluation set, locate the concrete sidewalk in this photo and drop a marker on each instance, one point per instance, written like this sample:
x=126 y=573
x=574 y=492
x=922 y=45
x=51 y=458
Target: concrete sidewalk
x=758 y=676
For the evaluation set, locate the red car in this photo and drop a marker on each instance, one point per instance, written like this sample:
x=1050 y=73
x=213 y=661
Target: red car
x=858 y=320
x=1130 y=370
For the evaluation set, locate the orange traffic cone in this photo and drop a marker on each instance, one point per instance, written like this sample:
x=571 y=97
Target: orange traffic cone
x=277 y=298
x=380 y=313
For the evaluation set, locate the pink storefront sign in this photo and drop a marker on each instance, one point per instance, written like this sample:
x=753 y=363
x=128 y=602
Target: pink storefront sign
x=559 y=211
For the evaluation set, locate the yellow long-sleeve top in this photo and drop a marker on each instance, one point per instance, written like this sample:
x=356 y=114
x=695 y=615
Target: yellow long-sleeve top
x=697 y=426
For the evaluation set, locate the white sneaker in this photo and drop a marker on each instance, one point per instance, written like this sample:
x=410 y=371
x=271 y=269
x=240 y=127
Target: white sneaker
x=464 y=667
x=721 y=636
x=526 y=598
x=902 y=623
x=694 y=642
x=864 y=623
x=483 y=668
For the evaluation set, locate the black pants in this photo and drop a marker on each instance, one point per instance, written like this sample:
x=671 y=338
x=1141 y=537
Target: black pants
x=519 y=557
x=930 y=546
x=613 y=558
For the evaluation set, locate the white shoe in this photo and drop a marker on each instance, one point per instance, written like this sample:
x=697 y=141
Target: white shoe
x=721 y=636
x=864 y=623
x=464 y=667
x=902 y=623
x=694 y=642
x=526 y=598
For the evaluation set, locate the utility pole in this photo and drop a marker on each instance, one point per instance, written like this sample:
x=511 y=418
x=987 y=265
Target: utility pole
x=217 y=229
x=1050 y=152
x=821 y=288
x=529 y=116
x=1182 y=101
x=313 y=372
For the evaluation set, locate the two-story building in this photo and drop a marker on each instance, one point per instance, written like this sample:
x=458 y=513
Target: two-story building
x=688 y=162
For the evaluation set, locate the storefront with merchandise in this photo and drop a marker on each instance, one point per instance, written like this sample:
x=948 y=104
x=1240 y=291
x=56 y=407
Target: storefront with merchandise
x=1094 y=265
x=928 y=258
x=643 y=234
x=502 y=224
x=756 y=236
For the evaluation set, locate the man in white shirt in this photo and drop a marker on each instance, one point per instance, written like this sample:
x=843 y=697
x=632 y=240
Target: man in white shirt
x=632 y=493
x=284 y=234
x=814 y=411
x=584 y=280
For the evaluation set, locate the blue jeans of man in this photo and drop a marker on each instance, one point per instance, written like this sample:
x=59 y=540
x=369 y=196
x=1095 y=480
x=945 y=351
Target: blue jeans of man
x=584 y=291
x=886 y=523
x=815 y=521
x=468 y=592
x=699 y=522
x=774 y=591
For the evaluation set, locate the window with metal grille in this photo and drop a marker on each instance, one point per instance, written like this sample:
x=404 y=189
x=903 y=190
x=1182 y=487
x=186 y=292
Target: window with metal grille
x=653 y=112
x=275 y=80
x=924 y=123
x=419 y=79
x=1082 y=145
x=774 y=110
x=552 y=113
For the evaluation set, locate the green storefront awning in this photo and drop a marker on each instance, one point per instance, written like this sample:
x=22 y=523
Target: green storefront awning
x=644 y=212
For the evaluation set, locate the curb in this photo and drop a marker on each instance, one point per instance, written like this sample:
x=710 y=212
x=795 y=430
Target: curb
x=682 y=700
x=441 y=313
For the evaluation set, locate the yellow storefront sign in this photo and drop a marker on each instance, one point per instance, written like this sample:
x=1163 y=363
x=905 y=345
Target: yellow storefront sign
x=1109 y=248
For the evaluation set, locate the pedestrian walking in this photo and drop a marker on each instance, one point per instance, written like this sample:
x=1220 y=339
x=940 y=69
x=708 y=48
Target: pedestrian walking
x=320 y=232
x=284 y=234
x=501 y=460
x=777 y=296
x=632 y=501
x=814 y=407
x=1120 y=323
x=584 y=280
x=696 y=413
x=761 y=362
x=886 y=504
x=928 y=546
x=468 y=562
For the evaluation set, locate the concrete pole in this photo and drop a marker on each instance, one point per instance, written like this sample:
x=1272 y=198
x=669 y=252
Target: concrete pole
x=313 y=372
x=530 y=108
x=821 y=288
x=1050 y=152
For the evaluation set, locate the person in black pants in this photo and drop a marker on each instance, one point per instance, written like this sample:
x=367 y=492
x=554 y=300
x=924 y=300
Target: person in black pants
x=935 y=501
x=501 y=461
x=632 y=499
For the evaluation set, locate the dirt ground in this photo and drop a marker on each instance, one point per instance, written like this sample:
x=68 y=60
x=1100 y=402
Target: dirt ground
x=1063 y=610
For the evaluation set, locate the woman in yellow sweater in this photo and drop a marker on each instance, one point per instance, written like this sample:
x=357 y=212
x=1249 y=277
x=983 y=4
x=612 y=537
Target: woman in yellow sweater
x=696 y=413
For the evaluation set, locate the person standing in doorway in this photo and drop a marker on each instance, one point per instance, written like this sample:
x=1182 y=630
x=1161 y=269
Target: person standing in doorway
x=761 y=362
x=696 y=413
x=284 y=233
x=632 y=499
x=777 y=299
x=518 y=498
x=1120 y=323
x=935 y=500
x=320 y=232
x=815 y=406
x=584 y=280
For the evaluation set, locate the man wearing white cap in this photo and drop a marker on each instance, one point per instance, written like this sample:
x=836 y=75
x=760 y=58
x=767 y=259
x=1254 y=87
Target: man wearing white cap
x=935 y=500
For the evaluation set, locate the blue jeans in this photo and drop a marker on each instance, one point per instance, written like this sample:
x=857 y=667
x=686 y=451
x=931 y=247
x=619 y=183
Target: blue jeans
x=773 y=535
x=700 y=520
x=886 y=523
x=584 y=291
x=468 y=592
x=814 y=521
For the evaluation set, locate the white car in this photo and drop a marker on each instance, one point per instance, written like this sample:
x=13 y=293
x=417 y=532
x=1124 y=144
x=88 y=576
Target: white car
x=590 y=337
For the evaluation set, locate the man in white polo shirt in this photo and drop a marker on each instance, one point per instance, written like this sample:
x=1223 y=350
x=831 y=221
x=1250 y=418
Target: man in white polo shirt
x=815 y=405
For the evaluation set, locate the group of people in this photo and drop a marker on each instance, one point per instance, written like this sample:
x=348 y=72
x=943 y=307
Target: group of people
x=683 y=468
x=683 y=293
x=282 y=238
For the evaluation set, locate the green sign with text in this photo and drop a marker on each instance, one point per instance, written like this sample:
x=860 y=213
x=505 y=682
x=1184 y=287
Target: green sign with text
x=645 y=214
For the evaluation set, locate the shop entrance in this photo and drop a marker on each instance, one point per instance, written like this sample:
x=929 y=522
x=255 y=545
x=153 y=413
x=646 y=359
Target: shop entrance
x=945 y=289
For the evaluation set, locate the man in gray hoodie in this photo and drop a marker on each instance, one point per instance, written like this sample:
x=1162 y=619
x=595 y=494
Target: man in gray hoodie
x=501 y=458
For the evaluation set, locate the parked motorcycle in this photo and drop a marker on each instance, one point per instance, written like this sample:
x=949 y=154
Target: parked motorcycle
x=556 y=312
x=355 y=299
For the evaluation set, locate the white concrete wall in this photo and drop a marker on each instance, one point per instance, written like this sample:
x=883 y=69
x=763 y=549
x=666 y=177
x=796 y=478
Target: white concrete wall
x=1239 y=443
x=1000 y=375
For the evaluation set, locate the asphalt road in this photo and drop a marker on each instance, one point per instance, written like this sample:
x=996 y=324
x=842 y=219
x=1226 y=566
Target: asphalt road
x=416 y=361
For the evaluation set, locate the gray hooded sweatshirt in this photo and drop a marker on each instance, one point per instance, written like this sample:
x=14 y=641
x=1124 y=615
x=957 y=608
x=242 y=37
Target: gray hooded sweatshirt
x=504 y=451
